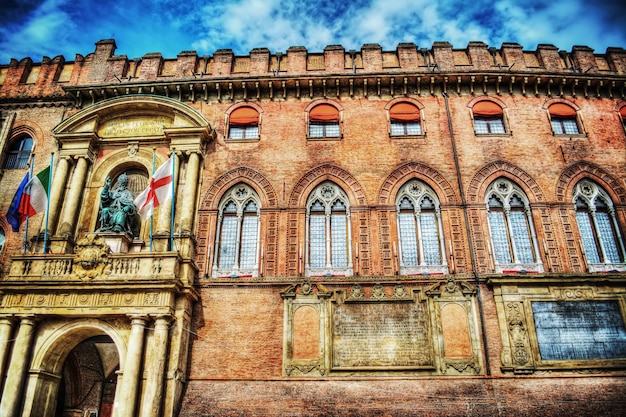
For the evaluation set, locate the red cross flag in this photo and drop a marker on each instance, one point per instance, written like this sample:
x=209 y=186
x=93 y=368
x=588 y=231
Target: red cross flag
x=159 y=190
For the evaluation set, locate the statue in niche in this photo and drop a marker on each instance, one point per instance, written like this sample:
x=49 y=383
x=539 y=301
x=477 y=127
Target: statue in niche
x=117 y=209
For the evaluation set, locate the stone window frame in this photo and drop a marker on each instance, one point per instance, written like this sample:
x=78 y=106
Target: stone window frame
x=241 y=195
x=504 y=190
x=588 y=192
x=416 y=191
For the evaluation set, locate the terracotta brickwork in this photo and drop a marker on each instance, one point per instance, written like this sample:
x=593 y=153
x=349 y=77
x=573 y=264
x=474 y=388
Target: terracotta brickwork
x=238 y=343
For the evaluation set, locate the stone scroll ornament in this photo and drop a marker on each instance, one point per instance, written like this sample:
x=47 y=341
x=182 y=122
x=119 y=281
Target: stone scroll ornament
x=117 y=209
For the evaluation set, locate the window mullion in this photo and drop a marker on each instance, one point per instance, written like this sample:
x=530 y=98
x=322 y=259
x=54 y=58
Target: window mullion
x=533 y=236
x=596 y=230
x=238 y=240
x=509 y=226
x=442 y=246
x=420 y=240
x=327 y=233
x=618 y=235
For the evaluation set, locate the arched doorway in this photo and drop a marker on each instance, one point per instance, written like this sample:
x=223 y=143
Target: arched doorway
x=89 y=378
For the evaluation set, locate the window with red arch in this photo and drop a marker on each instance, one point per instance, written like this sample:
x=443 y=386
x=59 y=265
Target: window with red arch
x=622 y=113
x=488 y=118
x=405 y=120
x=243 y=123
x=564 y=119
x=324 y=122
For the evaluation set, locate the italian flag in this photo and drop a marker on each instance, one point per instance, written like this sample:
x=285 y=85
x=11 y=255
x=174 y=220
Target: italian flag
x=35 y=197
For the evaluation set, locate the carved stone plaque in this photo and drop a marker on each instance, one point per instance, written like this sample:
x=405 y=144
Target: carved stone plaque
x=381 y=334
x=135 y=126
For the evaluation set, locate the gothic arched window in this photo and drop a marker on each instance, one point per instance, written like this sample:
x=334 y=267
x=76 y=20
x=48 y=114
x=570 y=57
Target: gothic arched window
x=19 y=153
x=513 y=236
x=237 y=236
x=328 y=232
x=419 y=230
x=601 y=239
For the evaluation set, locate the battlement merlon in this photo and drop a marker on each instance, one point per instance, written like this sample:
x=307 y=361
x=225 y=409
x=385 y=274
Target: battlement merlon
x=52 y=77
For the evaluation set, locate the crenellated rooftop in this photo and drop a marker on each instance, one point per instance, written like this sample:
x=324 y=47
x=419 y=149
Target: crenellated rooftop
x=333 y=72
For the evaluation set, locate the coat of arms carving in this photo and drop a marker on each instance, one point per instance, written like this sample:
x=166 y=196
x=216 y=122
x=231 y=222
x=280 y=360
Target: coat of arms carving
x=92 y=257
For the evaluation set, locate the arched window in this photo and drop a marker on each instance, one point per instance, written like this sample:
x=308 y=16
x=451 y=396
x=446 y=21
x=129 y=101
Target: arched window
x=243 y=123
x=328 y=232
x=237 y=236
x=563 y=119
x=488 y=118
x=419 y=230
x=324 y=122
x=513 y=237
x=601 y=239
x=405 y=120
x=622 y=113
x=19 y=153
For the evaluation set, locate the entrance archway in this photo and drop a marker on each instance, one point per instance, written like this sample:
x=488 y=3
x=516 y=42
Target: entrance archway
x=89 y=378
x=74 y=371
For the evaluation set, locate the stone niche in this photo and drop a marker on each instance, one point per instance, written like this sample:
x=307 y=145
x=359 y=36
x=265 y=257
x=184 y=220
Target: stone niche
x=380 y=329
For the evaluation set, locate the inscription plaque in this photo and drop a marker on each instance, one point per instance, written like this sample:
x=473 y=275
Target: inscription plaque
x=136 y=126
x=382 y=334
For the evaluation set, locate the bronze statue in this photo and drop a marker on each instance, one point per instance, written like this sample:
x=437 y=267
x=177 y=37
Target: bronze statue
x=118 y=210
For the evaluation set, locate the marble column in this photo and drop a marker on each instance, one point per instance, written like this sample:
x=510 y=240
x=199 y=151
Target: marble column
x=72 y=201
x=132 y=369
x=56 y=193
x=191 y=193
x=6 y=329
x=18 y=368
x=153 y=394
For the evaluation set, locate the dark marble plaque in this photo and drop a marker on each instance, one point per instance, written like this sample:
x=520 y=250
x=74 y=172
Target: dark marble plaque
x=381 y=334
x=575 y=330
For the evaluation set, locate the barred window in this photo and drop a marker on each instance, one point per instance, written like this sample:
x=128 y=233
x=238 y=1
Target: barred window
x=237 y=237
x=328 y=231
x=419 y=230
x=513 y=238
x=602 y=241
x=19 y=153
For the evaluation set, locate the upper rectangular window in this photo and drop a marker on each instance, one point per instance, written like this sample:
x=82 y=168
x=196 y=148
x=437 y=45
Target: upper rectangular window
x=488 y=118
x=562 y=126
x=485 y=125
x=324 y=130
x=405 y=128
x=324 y=122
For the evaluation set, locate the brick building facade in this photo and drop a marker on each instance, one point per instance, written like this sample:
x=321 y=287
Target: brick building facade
x=421 y=231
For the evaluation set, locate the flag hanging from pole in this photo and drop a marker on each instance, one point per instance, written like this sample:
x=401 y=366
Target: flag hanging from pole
x=159 y=190
x=30 y=198
x=14 y=217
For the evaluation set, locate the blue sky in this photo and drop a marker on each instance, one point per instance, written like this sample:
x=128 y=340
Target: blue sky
x=31 y=28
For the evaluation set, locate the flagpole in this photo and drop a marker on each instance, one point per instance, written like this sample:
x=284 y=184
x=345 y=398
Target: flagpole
x=30 y=175
x=45 y=232
x=152 y=217
x=173 y=198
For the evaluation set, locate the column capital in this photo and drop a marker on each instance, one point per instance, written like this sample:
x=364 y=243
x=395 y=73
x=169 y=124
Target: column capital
x=138 y=318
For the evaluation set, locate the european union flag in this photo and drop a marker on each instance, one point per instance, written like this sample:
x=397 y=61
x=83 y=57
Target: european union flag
x=14 y=217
